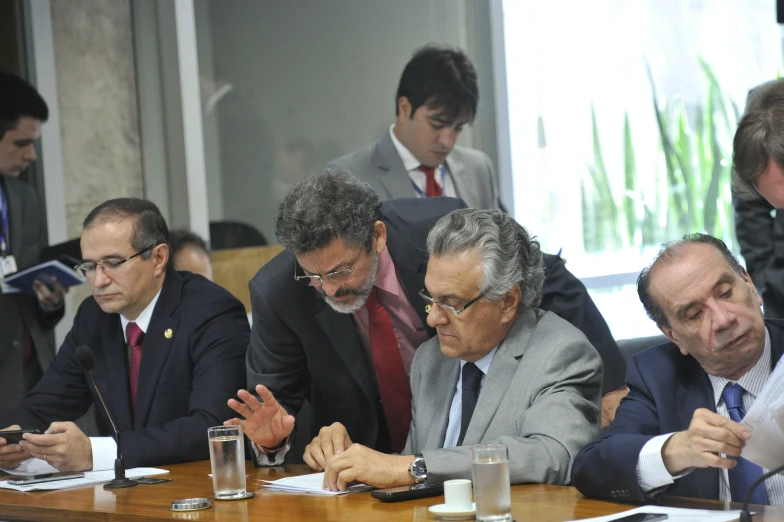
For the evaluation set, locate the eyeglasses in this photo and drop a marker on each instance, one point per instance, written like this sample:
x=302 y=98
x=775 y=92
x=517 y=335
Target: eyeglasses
x=455 y=311
x=338 y=276
x=109 y=265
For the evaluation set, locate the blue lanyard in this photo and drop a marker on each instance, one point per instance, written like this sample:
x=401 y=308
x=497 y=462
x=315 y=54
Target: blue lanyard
x=443 y=183
x=3 y=223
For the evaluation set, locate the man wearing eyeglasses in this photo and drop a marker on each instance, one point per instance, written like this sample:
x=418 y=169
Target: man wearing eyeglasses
x=500 y=370
x=338 y=316
x=169 y=349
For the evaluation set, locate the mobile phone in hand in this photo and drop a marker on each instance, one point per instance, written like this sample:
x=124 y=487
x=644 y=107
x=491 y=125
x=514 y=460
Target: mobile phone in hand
x=44 y=477
x=15 y=436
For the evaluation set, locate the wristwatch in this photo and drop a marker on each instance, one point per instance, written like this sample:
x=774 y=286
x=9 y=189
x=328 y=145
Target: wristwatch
x=418 y=470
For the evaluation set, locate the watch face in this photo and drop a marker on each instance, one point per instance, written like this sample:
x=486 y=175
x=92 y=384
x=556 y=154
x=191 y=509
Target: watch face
x=418 y=469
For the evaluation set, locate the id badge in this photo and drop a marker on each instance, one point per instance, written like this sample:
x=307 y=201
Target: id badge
x=7 y=265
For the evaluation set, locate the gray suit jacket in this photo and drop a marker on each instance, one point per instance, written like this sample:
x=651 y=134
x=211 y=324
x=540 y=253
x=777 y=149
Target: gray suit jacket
x=541 y=398
x=380 y=165
x=23 y=221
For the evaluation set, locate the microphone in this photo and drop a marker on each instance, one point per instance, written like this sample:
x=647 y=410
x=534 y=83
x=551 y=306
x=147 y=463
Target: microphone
x=745 y=515
x=86 y=359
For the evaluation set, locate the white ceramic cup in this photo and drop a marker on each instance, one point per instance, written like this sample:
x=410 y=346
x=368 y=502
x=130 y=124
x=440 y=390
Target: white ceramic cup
x=457 y=494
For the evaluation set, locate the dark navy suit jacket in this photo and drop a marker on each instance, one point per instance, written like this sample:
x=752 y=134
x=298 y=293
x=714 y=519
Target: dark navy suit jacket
x=665 y=388
x=185 y=378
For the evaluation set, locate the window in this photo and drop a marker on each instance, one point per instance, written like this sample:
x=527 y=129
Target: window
x=621 y=123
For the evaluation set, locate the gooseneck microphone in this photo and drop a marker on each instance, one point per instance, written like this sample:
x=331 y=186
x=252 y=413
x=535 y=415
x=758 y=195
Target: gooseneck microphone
x=86 y=359
x=745 y=515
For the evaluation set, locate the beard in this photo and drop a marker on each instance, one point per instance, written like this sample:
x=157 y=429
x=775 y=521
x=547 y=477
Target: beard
x=360 y=294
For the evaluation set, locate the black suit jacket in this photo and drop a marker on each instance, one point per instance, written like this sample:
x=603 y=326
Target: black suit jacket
x=185 y=379
x=761 y=239
x=666 y=387
x=301 y=349
x=19 y=309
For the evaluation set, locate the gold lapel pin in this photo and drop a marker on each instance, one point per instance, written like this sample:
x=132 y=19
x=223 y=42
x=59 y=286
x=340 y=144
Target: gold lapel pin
x=168 y=333
x=428 y=308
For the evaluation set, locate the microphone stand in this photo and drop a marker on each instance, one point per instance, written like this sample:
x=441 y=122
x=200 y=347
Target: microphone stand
x=745 y=515
x=120 y=481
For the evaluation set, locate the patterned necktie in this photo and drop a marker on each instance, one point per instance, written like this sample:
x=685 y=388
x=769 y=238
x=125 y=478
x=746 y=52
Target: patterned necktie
x=745 y=472
x=390 y=373
x=472 y=383
x=135 y=343
x=432 y=188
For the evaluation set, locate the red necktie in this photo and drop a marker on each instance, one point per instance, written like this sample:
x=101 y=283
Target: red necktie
x=135 y=342
x=390 y=373
x=432 y=188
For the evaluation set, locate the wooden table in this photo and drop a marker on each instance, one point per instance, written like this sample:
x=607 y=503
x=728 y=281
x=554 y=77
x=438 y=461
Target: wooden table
x=538 y=503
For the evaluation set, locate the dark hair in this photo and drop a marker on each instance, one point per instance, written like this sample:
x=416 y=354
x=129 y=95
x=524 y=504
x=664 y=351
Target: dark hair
x=510 y=256
x=667 y=253
x=19 y=99
x=325 y=207
x=149 y=227
x=179 y=239
x=439 y=77
x=759 y=137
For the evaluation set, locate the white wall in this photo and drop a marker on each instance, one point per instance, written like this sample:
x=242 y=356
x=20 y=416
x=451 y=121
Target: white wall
x=321 y=74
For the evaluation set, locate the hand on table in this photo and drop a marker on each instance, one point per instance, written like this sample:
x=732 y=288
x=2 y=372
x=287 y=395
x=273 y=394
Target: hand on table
x=330 y=441
x=359 y=463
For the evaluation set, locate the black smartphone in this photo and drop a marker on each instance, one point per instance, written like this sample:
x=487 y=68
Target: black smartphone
x=408 y=492
x=642 y=517
x=44 y=477
x=14 y=436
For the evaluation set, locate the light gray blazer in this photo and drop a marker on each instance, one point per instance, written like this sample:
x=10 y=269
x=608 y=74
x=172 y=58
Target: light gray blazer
x=541 y=398
x=380 y=165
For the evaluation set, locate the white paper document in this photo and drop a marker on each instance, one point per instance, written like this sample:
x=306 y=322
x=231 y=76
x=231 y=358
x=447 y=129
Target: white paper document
x=90 y=478
x=31 y=467
x=673 y=515
x=765 y=420
x=308 y=484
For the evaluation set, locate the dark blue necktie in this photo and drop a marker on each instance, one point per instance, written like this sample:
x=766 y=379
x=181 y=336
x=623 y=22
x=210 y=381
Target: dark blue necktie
x=472 y=383
x=745 y=472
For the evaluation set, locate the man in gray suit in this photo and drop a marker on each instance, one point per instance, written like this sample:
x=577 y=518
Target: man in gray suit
x=436 y=97
x=499 y=371
x=26 y=321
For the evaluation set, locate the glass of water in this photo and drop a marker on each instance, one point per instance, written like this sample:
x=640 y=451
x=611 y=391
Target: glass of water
x=490 y=473
x=227 y=457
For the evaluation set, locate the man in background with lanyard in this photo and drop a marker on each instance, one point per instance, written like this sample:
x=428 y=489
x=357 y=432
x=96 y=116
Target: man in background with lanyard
x=437 y=96
x=26 y=321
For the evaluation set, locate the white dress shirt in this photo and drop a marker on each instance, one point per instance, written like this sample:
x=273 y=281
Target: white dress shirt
x=456 y=409
x=652 y=474
x=105 y=448
x=418 y=178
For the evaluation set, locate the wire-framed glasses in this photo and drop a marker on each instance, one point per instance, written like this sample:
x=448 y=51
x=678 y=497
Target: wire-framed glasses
x=424 y=294
x=338 y=276
x=108 y=265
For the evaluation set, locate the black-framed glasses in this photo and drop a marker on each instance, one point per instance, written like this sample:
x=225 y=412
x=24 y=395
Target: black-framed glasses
x=424 y=294
x=338 y=276
x=108 y=265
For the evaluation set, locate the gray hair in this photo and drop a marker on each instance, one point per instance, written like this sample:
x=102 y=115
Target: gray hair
x=668 y=253
x=510 y=255
x=326 y=207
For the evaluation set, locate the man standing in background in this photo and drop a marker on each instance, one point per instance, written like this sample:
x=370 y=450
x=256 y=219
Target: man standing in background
x=26 y=321
x=437 y=96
